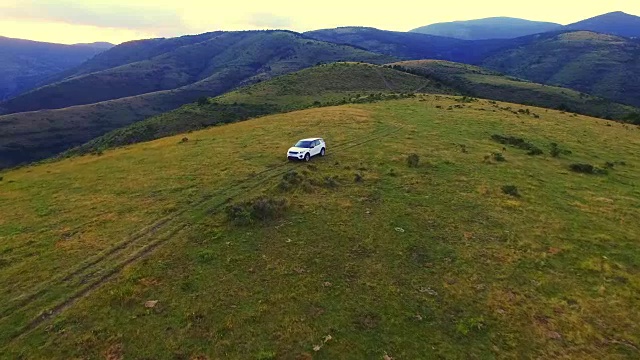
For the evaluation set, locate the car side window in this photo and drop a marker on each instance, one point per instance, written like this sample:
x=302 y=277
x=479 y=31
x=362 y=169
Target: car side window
x=315 y=143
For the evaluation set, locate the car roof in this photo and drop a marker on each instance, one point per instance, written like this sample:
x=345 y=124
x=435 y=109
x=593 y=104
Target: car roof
x=310 y=139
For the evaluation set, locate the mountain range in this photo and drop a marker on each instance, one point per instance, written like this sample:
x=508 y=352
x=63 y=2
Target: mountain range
x=598 y=64
x=24 y=64
x=112 y=89
x=614 y=23
x=489 y=28
x=68 y=113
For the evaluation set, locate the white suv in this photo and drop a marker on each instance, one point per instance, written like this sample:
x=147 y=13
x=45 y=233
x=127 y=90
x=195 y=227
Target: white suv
x=307 y=148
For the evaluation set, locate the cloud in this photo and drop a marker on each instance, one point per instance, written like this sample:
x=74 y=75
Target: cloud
x=267 y=20
x=113 y=15
x=116 y=20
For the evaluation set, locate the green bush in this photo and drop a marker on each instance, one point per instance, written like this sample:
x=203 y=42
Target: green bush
x=498 y=157
x=511 y=190
x=633 y=118
x=202 y=101
x=267 y=208
x=466 y=99
x=517 y=142
x=260 y=209
x=586 y=169
x=330 y=182
x=413 y=160
x=556 y=151
x=535 y=151
x=583 y=168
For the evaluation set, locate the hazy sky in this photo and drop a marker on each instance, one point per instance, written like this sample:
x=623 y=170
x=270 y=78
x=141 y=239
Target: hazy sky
x=116 y=21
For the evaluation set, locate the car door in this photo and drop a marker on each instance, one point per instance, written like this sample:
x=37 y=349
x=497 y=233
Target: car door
x=312 y=148
x=315 y=149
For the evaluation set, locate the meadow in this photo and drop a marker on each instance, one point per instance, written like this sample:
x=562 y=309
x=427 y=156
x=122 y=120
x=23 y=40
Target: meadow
x=472 y=249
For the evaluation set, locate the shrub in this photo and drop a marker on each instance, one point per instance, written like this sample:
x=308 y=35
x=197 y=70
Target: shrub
x=413 y=160
x=358 y=178
x=633 y=118
x=498 y=157
x=556 y=151
x=202 y=101
x=608 y=164
x=519 y=143
x=292 y=177
x=1 y=178
x=511 y=190
x=582 y=168
x=466 y=99
x=586 y=169
x=259 y=209
x=330 y=182
x=239 y=214
x=535 y=151
x=184 y=140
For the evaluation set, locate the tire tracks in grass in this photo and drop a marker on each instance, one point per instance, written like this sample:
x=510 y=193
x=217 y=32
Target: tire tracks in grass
x=386 y=82
x=90 y=275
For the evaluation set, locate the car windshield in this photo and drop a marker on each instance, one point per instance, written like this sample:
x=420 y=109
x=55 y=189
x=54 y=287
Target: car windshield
x=304 y=144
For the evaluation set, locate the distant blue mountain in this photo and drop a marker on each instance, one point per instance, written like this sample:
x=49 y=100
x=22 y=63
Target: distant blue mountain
x=489 y=28
x=24 y=63
x=615 y=23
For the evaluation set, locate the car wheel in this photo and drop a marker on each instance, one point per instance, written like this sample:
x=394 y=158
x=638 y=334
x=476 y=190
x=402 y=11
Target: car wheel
x=322 y=152
x=307 y=157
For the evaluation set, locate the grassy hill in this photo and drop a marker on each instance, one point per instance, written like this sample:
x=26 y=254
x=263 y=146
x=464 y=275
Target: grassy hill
x=489 y=28
x=341 y=83
x=479 y=82
x=35 y=135
x=252 y=54
x=141 y=252
x=24 y=63
x=323 y=85
x=597 y=64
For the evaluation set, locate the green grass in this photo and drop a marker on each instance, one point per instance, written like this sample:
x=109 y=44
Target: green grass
x=414 y=262
x=484 y=83
x=324 y=85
